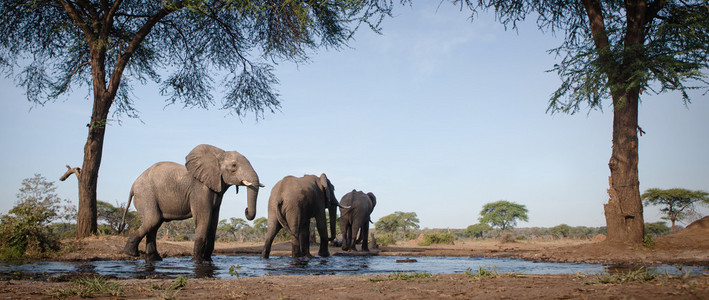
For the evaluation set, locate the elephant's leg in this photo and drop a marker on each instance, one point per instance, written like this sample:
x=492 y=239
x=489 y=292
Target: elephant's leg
x=131 y=247
x=344 y=229
x=147 y=223
x=322 y=230
x=200 y=238
x=151 y=250
x=294 y=222
x=273 y=228
x=211 y=234
x=304 y=236
x=364 y=233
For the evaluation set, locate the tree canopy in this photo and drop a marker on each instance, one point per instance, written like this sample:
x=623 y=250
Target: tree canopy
x=618 y=50
x=398 y=221
x=677 y=204
x=188 y=47
x=503 y=214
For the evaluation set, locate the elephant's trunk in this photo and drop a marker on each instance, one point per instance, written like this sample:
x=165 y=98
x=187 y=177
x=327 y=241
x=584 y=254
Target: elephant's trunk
x=333 y=222
x=251 y=195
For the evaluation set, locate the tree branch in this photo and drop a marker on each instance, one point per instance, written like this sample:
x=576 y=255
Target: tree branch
x=69 y=171
x=123 y=59
x=77 y=16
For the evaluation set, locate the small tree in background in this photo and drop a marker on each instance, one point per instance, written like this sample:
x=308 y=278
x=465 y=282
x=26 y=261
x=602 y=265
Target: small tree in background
x=398 y=221
x=234 y=227
x=657 y=229
x=503 y=214
x=561 y=230
x=477 y=230
x=26 y=227
x=677 y=204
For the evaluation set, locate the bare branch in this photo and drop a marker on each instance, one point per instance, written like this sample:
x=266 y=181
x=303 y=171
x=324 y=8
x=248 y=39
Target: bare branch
x=69 y=171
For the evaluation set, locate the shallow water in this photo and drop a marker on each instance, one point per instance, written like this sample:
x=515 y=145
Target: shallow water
x=335 y=265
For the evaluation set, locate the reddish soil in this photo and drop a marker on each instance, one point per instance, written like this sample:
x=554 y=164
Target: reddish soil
x=689 y=247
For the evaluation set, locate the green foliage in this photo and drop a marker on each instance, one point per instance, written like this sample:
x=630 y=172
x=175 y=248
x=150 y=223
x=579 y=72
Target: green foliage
x=503 y=214
x=386 y=239
x=237 y=228
x=641 y=274
x=437 y=238
x=657 y=229
x=194 y=40
x=648 y=242
x=483 y=272
x=477 y=230
x=562 y=230
x=597 y=65
x=89 y=287
x=180 y=283
x=407 y=276
x=26 y=227
x=677 y=204
x=234 y=270
x=110 y=217
x=397 y=221
x=175 y=229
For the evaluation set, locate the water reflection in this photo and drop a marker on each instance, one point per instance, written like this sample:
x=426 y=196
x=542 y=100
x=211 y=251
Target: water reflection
x=205 y=270
x=251 y=266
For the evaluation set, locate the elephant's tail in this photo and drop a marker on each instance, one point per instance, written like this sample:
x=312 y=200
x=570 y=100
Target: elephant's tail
x=282 y=219
x=125 y=212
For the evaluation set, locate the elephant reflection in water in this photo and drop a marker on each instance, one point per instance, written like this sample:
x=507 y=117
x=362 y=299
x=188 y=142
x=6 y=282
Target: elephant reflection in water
x=169 y=191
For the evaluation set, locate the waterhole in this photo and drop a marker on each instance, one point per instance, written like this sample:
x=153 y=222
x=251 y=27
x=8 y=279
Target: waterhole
x=248 y=266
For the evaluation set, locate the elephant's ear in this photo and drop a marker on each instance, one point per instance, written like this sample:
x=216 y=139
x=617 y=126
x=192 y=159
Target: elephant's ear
x=203 y=165
x=373 y=198
x=324 y=184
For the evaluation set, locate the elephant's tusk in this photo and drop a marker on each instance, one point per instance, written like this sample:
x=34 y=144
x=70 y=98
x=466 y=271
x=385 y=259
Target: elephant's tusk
x=345 y=207
x=248 y=183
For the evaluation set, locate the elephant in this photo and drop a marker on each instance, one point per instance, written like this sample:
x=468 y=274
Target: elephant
x=170 y=191
x=293 y=202
x=356 y=219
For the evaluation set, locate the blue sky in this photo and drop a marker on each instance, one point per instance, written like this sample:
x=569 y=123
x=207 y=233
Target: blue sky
x=438 y=116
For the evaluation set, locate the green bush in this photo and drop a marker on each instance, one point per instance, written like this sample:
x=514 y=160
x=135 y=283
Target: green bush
x=386 y=239
x=437 y=238
x=25 y=230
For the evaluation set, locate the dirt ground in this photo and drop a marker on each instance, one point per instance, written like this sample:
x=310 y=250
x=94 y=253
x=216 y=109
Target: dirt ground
x=689 y=247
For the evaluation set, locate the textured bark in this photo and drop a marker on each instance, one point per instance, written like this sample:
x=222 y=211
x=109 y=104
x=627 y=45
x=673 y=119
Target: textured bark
x=624 y=210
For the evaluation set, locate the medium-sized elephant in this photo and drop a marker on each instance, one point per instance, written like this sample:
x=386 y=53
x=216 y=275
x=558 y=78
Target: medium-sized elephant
x=169 y=191
x=356 y=219
x=293 y=201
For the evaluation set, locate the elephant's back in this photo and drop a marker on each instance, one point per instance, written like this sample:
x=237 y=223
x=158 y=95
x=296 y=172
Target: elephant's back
x=358 y=202
x=161 y=173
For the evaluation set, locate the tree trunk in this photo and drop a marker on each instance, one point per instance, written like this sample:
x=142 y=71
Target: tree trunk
x=624 y=210
x=86 y=222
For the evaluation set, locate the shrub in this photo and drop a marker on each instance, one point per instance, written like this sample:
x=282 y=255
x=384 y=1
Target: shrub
x=25 y=230
x=508 y=237
x=437 y=238
x=386 y=239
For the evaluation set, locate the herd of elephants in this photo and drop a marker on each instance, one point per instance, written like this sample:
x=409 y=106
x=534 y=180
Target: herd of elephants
x=170 y=191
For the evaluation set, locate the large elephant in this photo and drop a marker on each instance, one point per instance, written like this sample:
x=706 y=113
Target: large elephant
x=356 y=218
x=169 y=191
x=293 y=201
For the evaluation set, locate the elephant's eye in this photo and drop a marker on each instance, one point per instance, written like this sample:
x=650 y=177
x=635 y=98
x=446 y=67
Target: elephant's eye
x=233 y=166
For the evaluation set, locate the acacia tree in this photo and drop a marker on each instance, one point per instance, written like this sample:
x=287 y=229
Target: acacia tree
x=398 y=220
x=503 y=214
x=106 y=45
x=617 y=50
x=677 y=204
